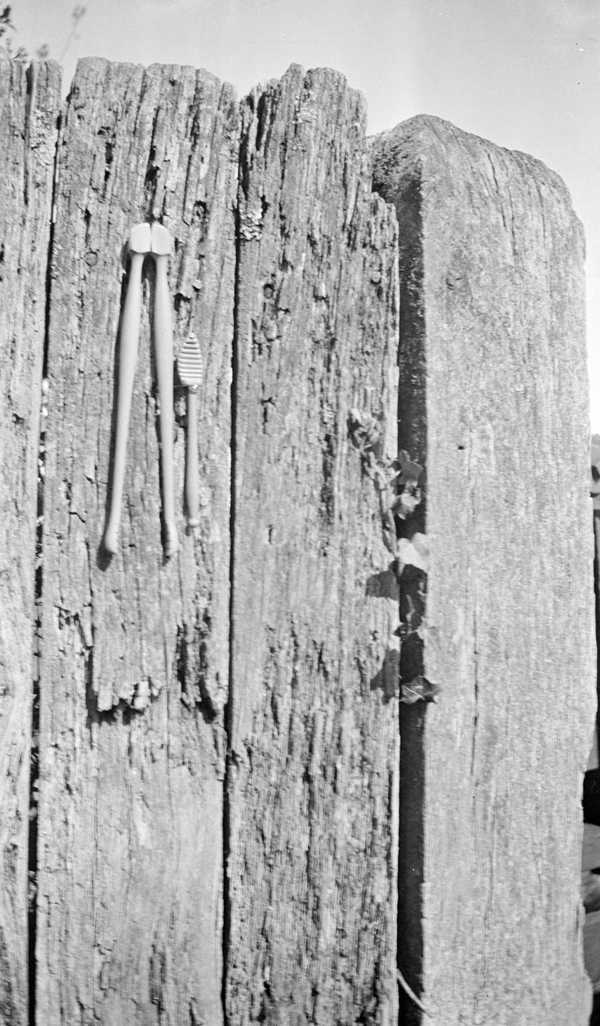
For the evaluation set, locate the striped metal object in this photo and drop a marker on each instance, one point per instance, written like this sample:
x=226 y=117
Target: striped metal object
x=189 y=362
x=189 y=369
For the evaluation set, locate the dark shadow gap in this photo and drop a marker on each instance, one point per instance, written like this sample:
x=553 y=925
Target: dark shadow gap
x=410 y=857
x=34 y=755
x=591 y=787
x=228 y=710
x=591 y=784
x=405 y=196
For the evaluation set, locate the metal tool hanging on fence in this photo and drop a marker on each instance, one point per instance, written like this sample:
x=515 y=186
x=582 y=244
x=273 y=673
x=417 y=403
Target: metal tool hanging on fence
x=156 y=241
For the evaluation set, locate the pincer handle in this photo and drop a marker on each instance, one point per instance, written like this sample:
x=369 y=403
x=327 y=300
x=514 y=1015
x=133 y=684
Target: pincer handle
x=163 y=349
x=130 y=323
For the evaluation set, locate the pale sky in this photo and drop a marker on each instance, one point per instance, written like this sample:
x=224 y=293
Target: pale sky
x=523 y=73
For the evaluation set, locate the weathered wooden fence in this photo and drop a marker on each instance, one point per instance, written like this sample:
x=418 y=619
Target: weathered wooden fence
x=215 y=809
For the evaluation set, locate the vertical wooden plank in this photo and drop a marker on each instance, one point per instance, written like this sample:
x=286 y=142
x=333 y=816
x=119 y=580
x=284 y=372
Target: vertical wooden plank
x=29 y=102
x=491 y=273
x=135 y=649
x=314 y=771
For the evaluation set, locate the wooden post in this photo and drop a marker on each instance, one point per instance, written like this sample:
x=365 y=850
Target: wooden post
x=313 y=777
x=493 y=400
x=135 y=658
x=29 y=102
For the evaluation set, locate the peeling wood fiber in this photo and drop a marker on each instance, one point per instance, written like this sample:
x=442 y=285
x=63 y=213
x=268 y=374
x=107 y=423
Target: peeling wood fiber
x=492 y=344
x=314 y=766
x=135 y=649
x=29 y=103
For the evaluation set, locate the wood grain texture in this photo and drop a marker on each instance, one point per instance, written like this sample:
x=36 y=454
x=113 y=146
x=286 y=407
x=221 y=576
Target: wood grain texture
x=135 y=650
x=313 y=779
x=493 y=347
x=29 y=103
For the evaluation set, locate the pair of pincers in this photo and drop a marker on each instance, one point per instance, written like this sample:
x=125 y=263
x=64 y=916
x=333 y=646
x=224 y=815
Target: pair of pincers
x=155 y=241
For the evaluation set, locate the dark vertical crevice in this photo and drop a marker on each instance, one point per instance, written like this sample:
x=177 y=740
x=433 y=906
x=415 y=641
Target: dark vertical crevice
x=591 y=782
x=405 y=196
x=34 y=762
x=410 y=858
x=228 y=711
x=412 y=437
x=597 y=594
